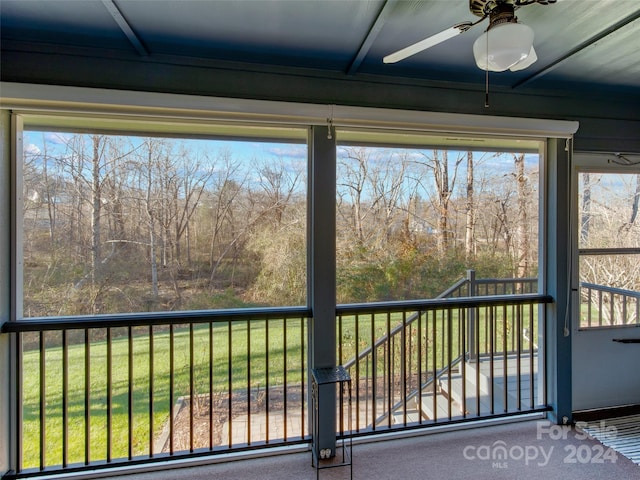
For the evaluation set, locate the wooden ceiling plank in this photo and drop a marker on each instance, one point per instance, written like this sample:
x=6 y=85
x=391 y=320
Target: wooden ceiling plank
x=125 y=27
x=586 y=44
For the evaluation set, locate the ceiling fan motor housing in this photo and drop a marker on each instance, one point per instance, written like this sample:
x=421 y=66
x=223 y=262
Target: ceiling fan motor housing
x=484 y=8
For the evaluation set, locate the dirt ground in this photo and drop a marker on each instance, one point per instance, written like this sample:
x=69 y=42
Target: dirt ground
x=210 y=417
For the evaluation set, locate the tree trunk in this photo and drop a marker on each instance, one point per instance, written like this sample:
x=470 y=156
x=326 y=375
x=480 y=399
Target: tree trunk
x=441 y=171
x=96 y=206
x=522 y=228
x=469 y=239
x=586 y=209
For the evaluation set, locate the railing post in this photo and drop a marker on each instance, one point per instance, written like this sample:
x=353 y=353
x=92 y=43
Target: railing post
x=471 y=319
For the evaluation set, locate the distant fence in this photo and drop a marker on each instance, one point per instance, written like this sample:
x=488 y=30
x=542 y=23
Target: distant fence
x=603 y=306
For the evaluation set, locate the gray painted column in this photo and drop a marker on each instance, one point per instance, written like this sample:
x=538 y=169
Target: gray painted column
x=557 y=268
x=5 y=301
x=322 y=272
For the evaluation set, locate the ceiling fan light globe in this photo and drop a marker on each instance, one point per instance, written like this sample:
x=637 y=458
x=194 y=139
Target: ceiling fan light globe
x=527 y=62
x=503 y=46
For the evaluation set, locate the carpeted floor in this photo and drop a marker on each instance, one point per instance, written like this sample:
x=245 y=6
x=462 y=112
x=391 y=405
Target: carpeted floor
x=535 y=450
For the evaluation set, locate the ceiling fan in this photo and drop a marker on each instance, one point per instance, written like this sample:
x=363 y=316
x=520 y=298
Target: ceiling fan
x=506 y=44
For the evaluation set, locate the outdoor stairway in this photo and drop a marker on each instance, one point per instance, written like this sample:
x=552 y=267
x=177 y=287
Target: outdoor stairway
x=467 y=391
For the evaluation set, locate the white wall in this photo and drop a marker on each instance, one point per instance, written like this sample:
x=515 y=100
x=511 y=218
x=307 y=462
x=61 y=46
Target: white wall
x=605 y=373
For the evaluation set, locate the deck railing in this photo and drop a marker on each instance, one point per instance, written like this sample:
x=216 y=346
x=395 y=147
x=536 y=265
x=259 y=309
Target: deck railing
x=104 y=391
x=118 y=390
x=604 y=306
x=397 y=351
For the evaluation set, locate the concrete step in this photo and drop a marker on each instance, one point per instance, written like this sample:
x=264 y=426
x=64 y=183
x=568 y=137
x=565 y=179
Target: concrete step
x=441 y=411
x=412 y=417
x=474 y=402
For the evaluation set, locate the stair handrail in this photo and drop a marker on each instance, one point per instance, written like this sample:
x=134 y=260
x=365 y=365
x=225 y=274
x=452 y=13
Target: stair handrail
x=397 y=329
x=468 y=282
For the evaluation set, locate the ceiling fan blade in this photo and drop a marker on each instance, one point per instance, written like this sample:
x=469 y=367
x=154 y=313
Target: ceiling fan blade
x=427 y=42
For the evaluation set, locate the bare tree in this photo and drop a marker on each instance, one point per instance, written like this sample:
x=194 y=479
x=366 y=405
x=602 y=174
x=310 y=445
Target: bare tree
x=469 y=238
x=635 y=202
x=228 y=188
x=522 y=228
x=444 y=181
x=277 y=184
x=152 y=177
x=353 y=173
x=586 y=208
x=195 y=175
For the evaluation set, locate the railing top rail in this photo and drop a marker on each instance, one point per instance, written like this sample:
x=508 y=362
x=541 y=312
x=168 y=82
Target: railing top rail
x=492 y=281
x=444 y=303
x=156 y=318
x=453 y=288
x=617 y=291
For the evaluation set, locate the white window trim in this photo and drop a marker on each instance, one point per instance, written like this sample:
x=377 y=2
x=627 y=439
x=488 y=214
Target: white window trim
x=49 y=98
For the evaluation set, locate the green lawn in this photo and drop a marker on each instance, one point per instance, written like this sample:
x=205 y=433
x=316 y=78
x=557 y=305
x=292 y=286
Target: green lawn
x=249 y=344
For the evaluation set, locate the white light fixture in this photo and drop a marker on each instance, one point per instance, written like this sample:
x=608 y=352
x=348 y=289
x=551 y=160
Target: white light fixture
x=505 y=46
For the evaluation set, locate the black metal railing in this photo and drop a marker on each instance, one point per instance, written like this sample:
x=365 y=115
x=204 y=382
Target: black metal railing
x=603 y=306
x=115 y=390
x=403 y=354
x=105 y=391
x=471 y=286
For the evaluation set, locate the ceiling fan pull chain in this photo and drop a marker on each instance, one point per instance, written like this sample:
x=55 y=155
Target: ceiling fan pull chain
x=486 y=76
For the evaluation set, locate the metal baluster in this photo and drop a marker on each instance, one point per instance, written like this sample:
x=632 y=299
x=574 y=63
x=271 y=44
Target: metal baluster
x=109 y=393
x=434 y=358
x=374 y=374
x=266 y=374
x=130 y=391
x=389 y=370
x=449 y=360
x=491 y=355
x=531 y=354
x=478 y=362
x=43 y=400
x=462 y=323
x=505 y=360
x=65 y=399
x=211 y=396
x=357 y=365
x=192 y=393
x=403 y=366
x=284 y=376
x=230 y=382
x=304 y=369
x=419 y=354
x=171 y=392
x=19 y=395
x=248 y=390
x=151 y=390
x=87 y=397
x=519 y=312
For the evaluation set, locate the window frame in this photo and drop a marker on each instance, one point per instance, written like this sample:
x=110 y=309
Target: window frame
x=597 y=163
x=141 y=127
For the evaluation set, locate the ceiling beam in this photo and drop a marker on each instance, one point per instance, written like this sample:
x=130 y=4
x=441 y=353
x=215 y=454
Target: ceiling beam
x=586 y=44
x=125 y=27
x=373 y=32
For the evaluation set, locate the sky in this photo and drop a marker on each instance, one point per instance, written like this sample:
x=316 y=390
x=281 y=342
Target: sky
x=251 y=155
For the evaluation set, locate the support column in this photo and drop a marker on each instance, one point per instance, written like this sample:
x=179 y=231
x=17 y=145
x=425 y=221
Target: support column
x=557 y=243
x=6 y=406
x=322 y=272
